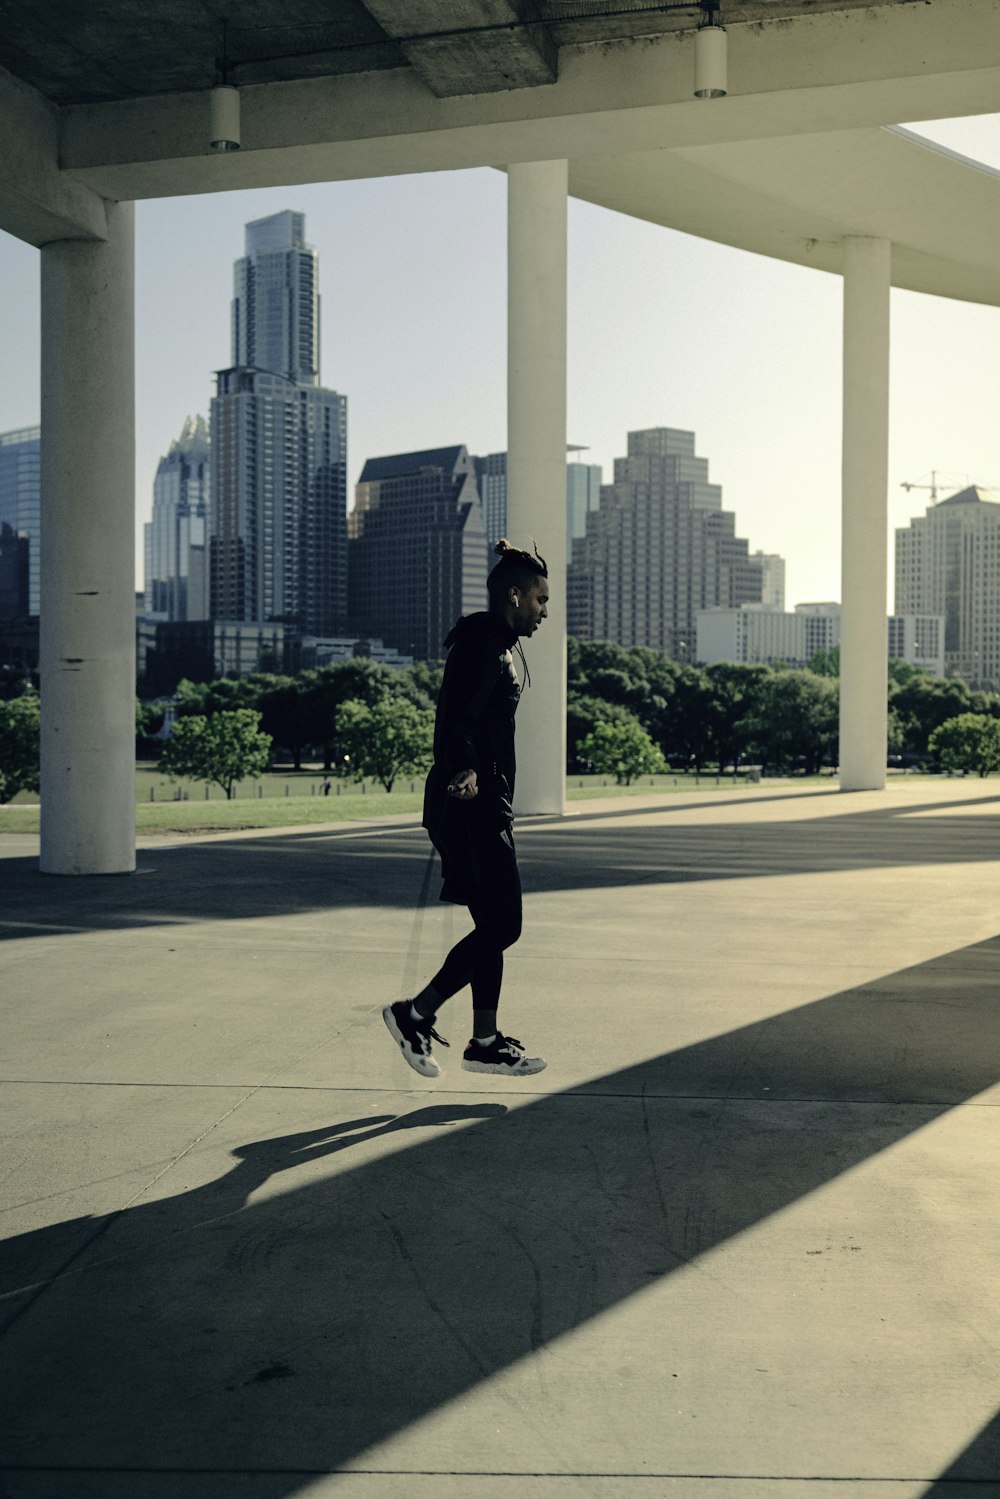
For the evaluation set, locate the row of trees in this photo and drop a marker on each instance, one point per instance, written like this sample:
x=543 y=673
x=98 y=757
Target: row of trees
x=631 y=711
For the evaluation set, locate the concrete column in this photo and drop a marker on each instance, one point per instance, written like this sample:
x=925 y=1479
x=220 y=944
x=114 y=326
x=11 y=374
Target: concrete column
x=536 y=459
x=88 y=553
x=863 y=627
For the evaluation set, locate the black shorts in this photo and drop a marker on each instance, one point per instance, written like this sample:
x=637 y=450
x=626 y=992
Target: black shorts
x=478 y=862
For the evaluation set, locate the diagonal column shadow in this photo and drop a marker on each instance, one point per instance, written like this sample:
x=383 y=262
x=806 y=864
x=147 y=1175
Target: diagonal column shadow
x=978 y=1467
x=289 y=1334
x=308 y=870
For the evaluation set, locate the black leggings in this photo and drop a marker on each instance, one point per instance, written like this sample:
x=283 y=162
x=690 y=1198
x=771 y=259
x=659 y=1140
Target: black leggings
x=496 y=910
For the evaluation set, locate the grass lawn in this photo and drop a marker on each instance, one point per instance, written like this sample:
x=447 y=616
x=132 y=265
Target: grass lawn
x=294 y=799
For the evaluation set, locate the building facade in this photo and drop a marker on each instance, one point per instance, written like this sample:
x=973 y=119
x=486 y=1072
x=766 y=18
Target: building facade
x=167 y=650
x=772 y=569
x=822 y=625
x=20 y=500
x=583 y=494
x=275 y=310
x=948 y=564
x=750 y=636
x=15 y=574
x=176 y=537
x=659 y=548
x=765 y=635
x=919 y=640
x=418 y=549
x=278 y=542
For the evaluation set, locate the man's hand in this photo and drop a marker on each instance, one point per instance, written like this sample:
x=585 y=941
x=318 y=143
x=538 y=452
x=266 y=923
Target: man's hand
x=463 y=786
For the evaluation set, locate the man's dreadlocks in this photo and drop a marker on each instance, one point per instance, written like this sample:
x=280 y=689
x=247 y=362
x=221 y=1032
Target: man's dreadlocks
x=515 y=569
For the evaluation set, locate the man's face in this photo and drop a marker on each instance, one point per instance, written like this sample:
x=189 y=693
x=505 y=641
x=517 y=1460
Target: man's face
x=531 y=607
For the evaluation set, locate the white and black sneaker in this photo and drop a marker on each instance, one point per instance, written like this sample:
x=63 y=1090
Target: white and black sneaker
x=503 y=1055
x=414 y=1037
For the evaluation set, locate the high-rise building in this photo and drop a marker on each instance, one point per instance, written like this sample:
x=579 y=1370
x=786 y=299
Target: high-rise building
x=583 y=494
x=659 y=548
x=278 y=546
x=491 y=478
x=14 y=572
x=418 y=554
x=276 y=300
x=21 y=498
x=772 y=571
x=948 y=564
x=176 y=570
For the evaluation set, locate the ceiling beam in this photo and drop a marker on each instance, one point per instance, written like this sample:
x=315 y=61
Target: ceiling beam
x=470 y=46
x=828 y=71
x=38 y=202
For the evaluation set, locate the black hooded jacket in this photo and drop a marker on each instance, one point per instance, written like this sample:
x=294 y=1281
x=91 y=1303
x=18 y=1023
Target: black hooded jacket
x=474 y=729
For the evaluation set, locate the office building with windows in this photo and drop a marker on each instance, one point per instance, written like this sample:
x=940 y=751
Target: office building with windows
x=948 y=564
x=176 y=537
x=417 y=549
x=278 y=535
x=659 y=548
x=20 y=503
x=583 y=494
x=772 y=570
x=762 y=634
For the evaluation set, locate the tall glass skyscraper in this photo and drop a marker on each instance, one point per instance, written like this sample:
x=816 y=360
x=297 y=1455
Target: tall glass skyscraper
x=20 y=498
x=583 y=494
x=176 y=540
x=278 y=546
x=276 y=300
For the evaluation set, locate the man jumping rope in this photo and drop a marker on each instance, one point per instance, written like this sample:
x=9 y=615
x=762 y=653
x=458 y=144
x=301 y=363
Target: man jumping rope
x=469 y=815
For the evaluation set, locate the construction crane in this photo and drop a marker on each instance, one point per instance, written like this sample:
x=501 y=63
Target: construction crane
x=938 y=483
x=933 y=486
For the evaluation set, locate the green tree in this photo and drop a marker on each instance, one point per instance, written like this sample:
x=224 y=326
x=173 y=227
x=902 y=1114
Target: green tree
x=20 y=736
x=326 y=688
x=148 y=719
x=622 y=749
x=687 y=718
x=386 y=739
x=970 y=741
x=225 y=748
x=224 y=694
x=735 y=689
x=923 y=703
x=825 y=662
x=794 y=721
x=424 y=678
x=583 y=714
x=285 y=716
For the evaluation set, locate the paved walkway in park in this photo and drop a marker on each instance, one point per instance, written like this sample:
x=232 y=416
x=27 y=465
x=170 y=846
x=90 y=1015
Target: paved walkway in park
x=741 y=1240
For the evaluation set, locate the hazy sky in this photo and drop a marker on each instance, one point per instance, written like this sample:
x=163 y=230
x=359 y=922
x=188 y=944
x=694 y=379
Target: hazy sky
x=665 y=330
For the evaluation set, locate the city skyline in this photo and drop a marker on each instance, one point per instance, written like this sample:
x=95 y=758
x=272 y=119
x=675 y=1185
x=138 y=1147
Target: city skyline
x=664 y=330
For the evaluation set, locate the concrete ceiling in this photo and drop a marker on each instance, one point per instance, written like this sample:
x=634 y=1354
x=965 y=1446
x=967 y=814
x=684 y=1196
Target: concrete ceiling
x=109 y=50
x=110 y=101
x=795 y=199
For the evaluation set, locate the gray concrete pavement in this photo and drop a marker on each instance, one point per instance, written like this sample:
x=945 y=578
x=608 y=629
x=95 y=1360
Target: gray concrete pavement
x=738 y=1241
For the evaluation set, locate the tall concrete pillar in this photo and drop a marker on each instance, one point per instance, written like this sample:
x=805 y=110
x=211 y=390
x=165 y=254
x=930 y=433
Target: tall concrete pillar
x=88 y=552
x=863 y=627
x=536 y=459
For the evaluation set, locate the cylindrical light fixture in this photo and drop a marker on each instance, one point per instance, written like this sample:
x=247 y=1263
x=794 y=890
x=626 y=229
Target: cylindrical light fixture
x=711 y=75
x=224 y=104
x=224 y=118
